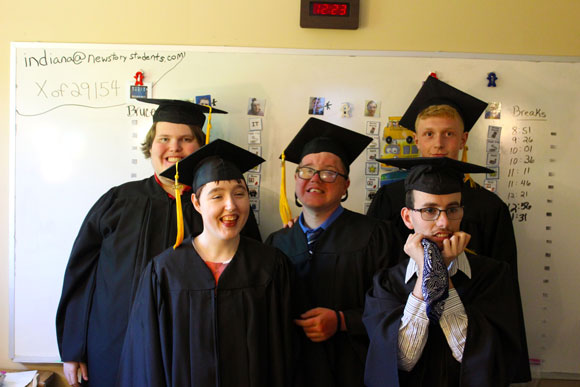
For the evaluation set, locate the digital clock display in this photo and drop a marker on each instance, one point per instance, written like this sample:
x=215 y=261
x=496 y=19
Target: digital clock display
x=338 y=14
x=318 y=8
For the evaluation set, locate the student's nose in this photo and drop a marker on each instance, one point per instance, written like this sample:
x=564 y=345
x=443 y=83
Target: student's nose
x=442 y=220
x=316 y=177
x=439 y=141
x=230 y=203
x=175 y=145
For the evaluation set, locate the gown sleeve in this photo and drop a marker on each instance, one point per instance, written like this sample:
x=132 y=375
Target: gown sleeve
x=493 y=345
x=143 y=360
x=72 y=317
x=383 y=251
x=382 y=317
x=283 y=331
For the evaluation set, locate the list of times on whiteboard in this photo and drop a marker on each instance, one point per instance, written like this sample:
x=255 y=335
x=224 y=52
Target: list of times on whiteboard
x=529 y=160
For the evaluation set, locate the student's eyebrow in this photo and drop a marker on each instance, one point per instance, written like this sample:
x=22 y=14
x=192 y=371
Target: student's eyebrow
x=452 y=204
x=214 y=190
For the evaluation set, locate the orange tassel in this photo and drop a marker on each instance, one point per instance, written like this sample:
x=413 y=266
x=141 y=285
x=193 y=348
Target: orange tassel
x=208 y=126
x=285 y=212
x=178 y=209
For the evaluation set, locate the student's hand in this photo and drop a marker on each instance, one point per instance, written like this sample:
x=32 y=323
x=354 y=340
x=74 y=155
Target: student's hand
x=319 y=324
x=71 y=370
x=414 y=249
x=454 y=246
x=291 y=222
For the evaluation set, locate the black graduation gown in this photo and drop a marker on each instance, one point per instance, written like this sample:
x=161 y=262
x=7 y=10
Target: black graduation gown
x=493 y=345
x=346 y=256
x=486 y=219
x=183 y=331
x=123 y=231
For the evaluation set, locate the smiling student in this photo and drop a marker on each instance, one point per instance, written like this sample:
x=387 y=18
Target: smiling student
x=123 y=231
x=214 y=311
x=335 y=252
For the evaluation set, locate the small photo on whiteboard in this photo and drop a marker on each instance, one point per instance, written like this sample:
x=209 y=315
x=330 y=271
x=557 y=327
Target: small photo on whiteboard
x=203 y=100
x=372 y=108
x=256 y=107
x=316 y=106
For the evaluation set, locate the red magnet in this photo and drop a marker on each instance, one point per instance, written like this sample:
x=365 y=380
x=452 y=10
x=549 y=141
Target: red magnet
x=139 y=78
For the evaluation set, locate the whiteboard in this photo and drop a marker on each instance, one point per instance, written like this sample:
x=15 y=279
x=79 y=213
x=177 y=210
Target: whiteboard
x=75 y=133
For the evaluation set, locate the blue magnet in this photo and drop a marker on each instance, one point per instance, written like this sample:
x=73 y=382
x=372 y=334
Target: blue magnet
x=491 y=77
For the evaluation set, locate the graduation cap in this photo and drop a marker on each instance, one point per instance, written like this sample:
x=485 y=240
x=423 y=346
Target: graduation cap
x=218 y=160
x=182 y=112
x=435 y=175
x=320 y=136
x=436 y=92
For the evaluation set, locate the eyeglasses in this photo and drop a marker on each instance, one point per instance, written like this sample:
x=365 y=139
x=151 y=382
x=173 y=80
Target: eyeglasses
x=325 y=175
x=432 y=213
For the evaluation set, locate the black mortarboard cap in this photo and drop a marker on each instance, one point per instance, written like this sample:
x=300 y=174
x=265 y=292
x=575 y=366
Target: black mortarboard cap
x=435 y=175
x=436 y=92
x=180 y=112
x=320 y=136
x=218 y=160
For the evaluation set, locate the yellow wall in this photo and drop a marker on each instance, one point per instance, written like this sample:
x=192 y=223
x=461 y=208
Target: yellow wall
x=539 y=27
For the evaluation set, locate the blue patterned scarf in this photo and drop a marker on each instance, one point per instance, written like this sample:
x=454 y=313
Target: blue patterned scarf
x=435 y=285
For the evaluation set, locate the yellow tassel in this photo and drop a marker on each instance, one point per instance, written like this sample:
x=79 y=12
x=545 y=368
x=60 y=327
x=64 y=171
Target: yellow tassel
x=467 y=177
x=208 y=126
x=470 y=251
x=285 y=212
x=178 y=208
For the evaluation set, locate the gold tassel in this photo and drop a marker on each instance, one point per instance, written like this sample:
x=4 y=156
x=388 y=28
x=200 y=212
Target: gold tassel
x=470 y=251
x=285 y=212
x=178 y=208
x=467 y=177
x=208 y=126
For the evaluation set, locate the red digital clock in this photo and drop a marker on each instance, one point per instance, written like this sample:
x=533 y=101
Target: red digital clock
x=339 y=14
x=329 y=9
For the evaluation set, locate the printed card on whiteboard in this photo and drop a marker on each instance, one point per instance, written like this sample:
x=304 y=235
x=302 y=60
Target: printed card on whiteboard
x=254 y=137
x=255 y=123
x=254 y=191
x=373 y=127
x=372 y=183
x=253 y=179
x=371 y=168
x=372 y=154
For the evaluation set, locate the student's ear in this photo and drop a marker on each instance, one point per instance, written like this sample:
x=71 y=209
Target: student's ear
x=406 y=215
x=195 y=203
x=464 y=139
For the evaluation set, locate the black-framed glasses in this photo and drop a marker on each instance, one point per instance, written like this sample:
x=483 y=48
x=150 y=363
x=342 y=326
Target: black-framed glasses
x=325 y=175
x=432 y=213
